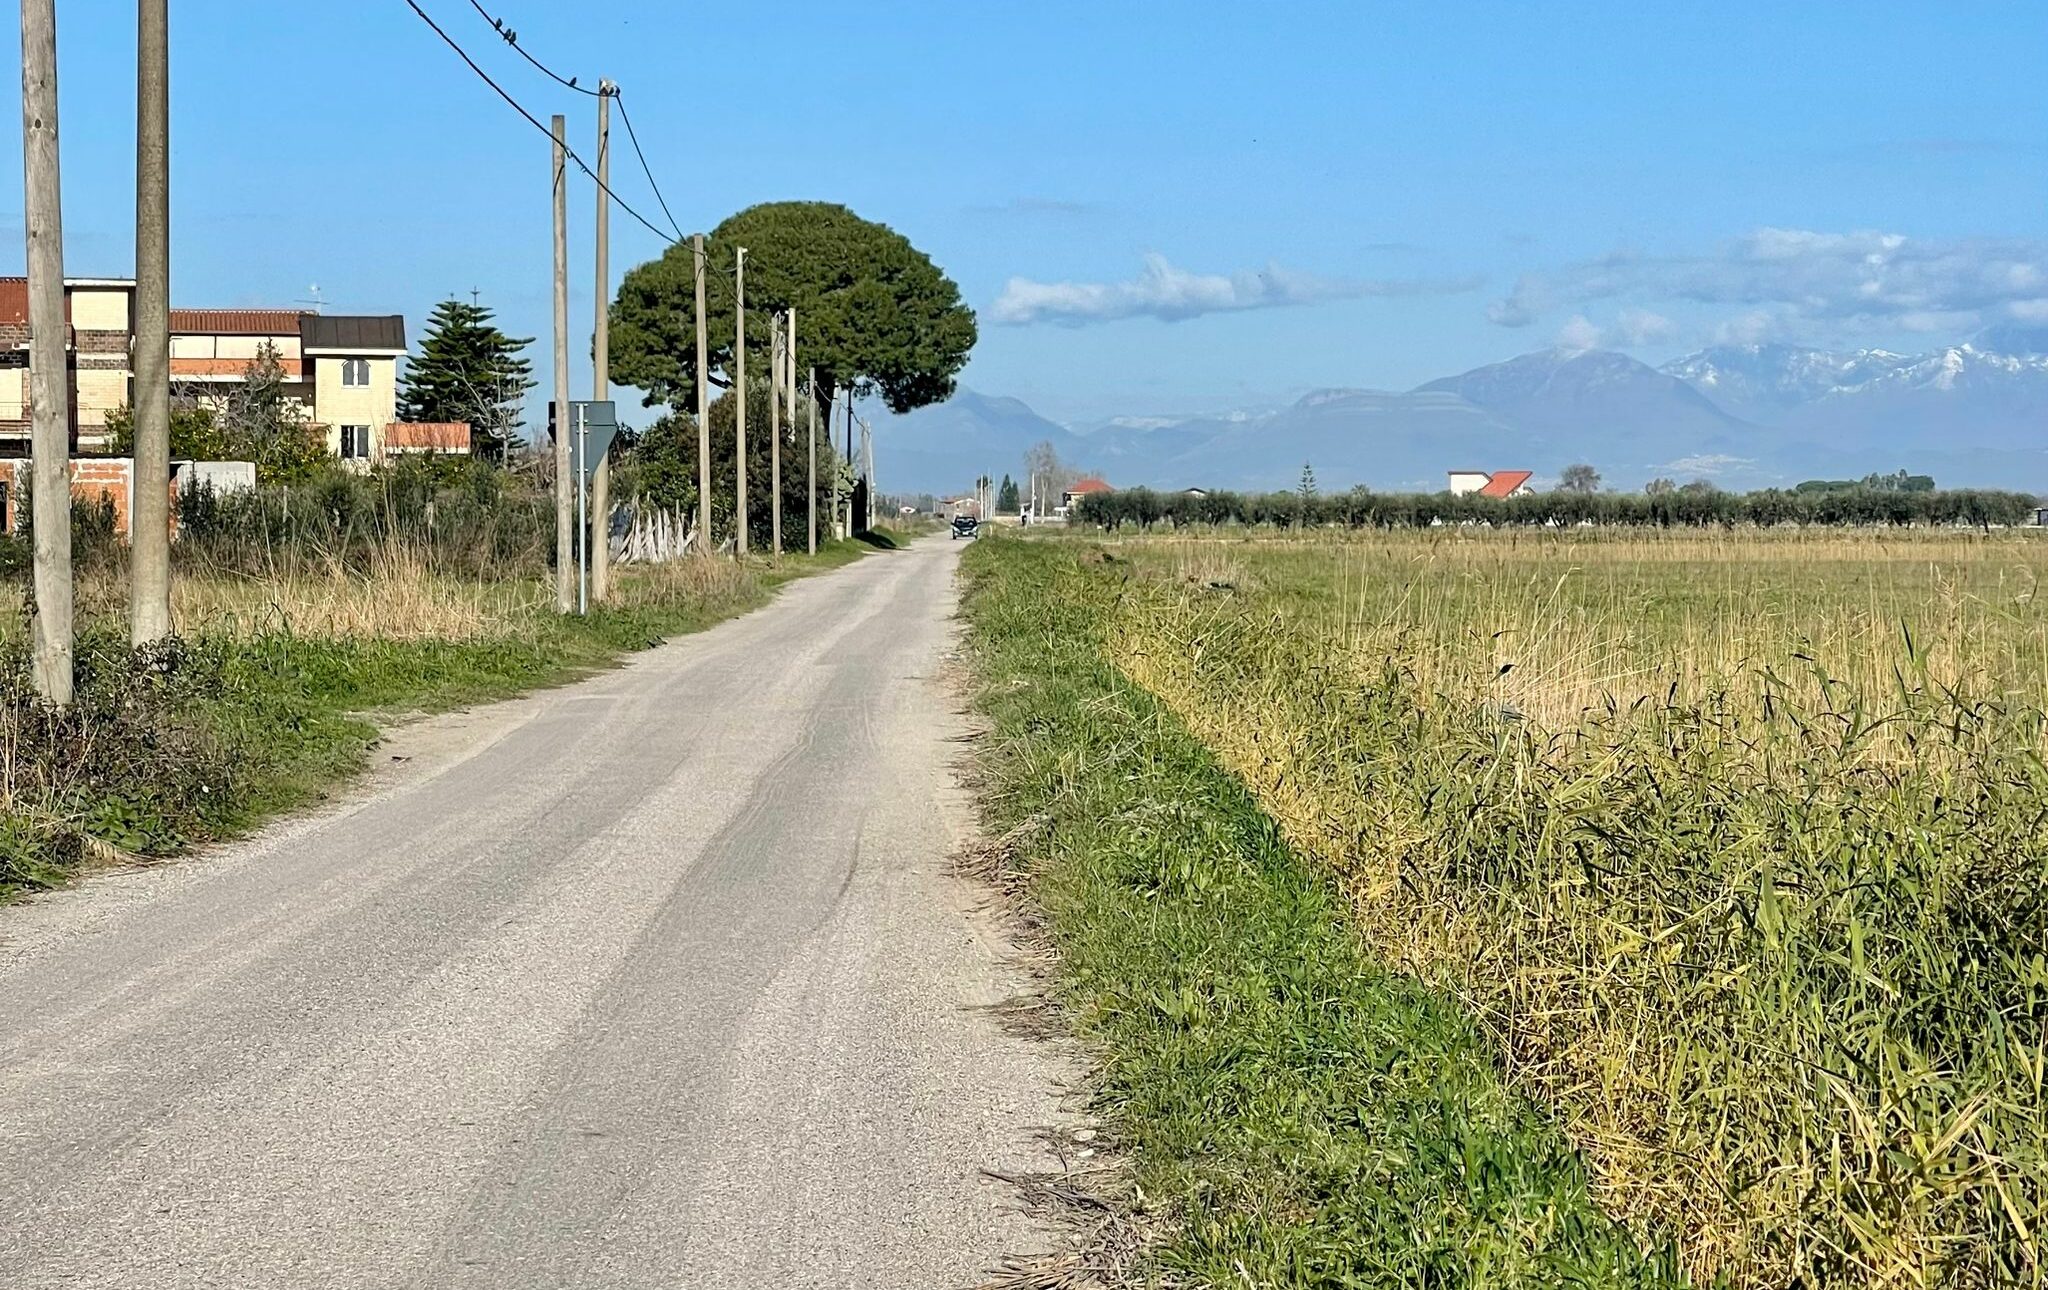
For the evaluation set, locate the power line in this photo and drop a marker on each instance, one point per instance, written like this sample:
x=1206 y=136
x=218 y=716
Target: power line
x=632 y=134
x=569 y=82
x=512 y=39
x=534 y=121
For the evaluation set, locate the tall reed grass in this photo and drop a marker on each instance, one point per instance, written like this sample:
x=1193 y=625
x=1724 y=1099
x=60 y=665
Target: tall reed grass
x=1737 y=845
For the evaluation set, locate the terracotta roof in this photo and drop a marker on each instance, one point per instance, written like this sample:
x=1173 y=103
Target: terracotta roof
x=425 y=436
x=235 y=322
x=1505 y=482
x=1089 y=485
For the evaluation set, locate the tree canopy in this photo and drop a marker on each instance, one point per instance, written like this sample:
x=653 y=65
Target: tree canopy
x=1579 y=478
x=874 y=314
x=467 y=370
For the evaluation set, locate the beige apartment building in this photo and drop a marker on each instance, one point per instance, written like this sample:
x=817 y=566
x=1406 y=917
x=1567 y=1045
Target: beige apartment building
x=341 y=370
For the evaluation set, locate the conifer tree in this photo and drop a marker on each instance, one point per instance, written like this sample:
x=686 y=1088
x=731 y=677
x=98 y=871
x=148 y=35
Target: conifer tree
x=468 y=370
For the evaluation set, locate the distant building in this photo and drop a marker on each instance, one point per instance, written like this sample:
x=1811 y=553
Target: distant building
x=1499 y=483
x=1081 y=488
x=341 y=371
x=98 y=316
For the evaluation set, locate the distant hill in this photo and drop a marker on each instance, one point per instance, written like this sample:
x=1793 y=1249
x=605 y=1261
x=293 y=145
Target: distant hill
x=1745 y=416
x=1965 y=414
x=942 y=448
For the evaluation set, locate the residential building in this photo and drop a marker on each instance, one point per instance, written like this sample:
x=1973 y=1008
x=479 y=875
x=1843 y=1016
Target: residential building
x=99 y=316
x=341 y=371
x=1080 y=488
x=1499 y=483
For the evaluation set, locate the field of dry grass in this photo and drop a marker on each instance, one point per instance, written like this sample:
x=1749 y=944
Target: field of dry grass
x=1733 y=842
x=398 y=597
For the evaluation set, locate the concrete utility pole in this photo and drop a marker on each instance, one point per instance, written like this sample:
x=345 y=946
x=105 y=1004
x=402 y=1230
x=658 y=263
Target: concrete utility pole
x=831 y=411
x=775 y=357
x=739 y=389
x=149 y=521
x=789 y=377
x=811 y=478
x=565 y=483
x=703 y=410
x=600 y=352
x=867 y=458
x=49 y=375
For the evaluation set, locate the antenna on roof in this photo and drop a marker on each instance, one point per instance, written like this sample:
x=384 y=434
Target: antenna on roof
x=313 y=291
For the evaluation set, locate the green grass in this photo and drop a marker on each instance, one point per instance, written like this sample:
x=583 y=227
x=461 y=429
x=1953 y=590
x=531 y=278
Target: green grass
x=1300 y=1116
x=1732 y=844
x=209 y=738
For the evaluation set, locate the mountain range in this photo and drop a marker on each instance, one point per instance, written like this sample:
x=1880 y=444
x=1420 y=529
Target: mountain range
x=1744 y=416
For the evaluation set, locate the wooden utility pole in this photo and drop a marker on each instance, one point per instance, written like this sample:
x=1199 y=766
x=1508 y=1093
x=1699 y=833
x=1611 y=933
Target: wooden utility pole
x=850 y=530
x=789 y=376
x=811 y=477
x=48 y=344
x=775 y=357
x=600 y=536
x=703 y=410
x=565 y=472
x=149 y=521
x=739 y=389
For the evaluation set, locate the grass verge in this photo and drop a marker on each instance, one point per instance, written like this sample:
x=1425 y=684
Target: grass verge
x=203 y=738
x=1299 y=1116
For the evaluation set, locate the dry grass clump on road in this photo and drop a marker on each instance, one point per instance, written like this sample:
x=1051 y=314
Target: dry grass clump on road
x=1733 y=843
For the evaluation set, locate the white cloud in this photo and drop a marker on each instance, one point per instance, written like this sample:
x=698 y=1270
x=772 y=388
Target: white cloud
x=1706 y=464
x=1746 y=328
x=2029 y=310
x=1163 y=291
x=1794 y=280
x=1579 y=333
x=1641 y=327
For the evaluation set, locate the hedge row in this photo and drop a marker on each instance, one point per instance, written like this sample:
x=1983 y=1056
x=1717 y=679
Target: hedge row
x=1362 y=508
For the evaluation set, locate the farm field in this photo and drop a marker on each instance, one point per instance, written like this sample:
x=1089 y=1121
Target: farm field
x=1728 y=845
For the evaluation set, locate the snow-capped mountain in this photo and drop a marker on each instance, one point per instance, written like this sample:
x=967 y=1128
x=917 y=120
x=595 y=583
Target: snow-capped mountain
x=1588 y=392
x=1762 y=382
x=1745 y=416
x=1958 y=397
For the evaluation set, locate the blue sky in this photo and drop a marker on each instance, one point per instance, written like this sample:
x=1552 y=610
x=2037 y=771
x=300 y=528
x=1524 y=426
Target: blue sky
x=1156 y=207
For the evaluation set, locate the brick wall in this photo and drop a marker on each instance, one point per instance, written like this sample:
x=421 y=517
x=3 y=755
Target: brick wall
x=92 y=478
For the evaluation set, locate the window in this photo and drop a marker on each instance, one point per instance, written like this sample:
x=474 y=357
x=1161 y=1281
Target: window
x=355 y=371
x=355 y=441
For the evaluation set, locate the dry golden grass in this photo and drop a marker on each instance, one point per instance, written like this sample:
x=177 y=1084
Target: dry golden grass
x=1551 y=624
x=1733 y=843
x=398 y=598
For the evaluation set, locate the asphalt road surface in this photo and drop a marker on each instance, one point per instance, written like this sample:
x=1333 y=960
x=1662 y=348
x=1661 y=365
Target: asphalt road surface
x=657 y=980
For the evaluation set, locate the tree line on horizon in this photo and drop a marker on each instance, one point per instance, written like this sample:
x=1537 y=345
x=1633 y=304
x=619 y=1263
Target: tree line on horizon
x=1856 y=504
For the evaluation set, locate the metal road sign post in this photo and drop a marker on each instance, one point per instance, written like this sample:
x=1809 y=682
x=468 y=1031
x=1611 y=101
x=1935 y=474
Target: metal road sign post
x=597 y=424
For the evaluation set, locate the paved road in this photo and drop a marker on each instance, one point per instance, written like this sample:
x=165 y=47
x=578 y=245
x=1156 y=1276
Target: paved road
x=656 y=980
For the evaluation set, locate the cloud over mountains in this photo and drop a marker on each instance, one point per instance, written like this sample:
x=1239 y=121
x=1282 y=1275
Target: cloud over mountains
x=1163 y=291
x=1789 y=281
